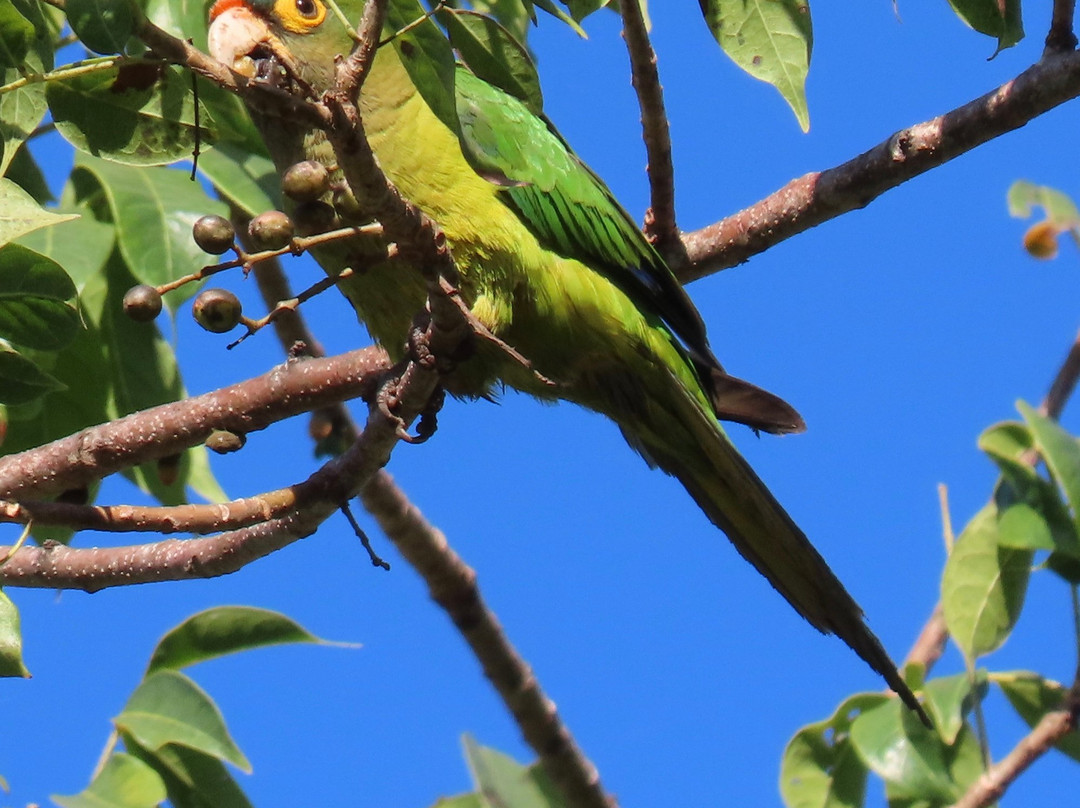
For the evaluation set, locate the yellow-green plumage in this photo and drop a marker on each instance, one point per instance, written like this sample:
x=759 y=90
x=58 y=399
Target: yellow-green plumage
x=551 y=265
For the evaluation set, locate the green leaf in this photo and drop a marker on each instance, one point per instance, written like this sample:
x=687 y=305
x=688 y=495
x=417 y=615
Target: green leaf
x=427 y=56
x=81 y=245
x=559 y=14
x=22 y=381
x=461 y=801
x=169 y=708
x=24 y=171
x=493 y=54
x=181 y=18
x=138 y=115
x=819 y=768
x=104 y=26
x=580 y=9
x=33 y=295
x=1060 y=451
x=225 y=630
x=983 y=586
x=11 y=659
x=1033 y=697
x=997 y=18
x=949 y=698
x=249 y=181
x=16 y=34
x=192 y=779
x=1024 y=196
x=20 y=214
x=1007 y=441
x=154 y=210
x=21 y=109
x=904 y=753
x=124 y=782
x=504 y=781
x=513 y=15
x=769 y=39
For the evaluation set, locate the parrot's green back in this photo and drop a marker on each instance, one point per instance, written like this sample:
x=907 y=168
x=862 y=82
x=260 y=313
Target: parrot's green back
x=553 y=266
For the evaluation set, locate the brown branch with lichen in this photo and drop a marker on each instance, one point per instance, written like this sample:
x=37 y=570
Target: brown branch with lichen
x=815 y=198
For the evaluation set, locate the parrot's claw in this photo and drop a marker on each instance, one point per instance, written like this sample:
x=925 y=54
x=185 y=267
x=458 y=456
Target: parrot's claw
x=387 y=402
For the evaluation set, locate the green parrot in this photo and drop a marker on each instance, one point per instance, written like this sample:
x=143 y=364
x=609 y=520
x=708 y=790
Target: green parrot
x=553 y=266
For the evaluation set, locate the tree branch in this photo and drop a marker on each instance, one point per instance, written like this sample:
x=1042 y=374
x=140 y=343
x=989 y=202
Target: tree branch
x=452 y=584
x=1061 y=37
x=660 y=223
x=1053 y=726
x=815 y=198
x=287 y=390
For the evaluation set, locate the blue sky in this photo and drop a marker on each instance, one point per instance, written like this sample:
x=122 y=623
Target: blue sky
x=900 y=332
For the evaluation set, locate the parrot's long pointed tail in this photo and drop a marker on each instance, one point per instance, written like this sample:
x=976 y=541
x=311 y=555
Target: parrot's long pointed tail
x=738 y=502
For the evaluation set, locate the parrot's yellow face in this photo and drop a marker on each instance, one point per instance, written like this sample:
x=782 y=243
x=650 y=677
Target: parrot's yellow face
x=253 y=36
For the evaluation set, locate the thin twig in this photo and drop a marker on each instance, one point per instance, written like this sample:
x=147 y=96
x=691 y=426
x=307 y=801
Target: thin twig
x=1064 y=383
x=660 y=223
x=993 y=783
x=815 y=198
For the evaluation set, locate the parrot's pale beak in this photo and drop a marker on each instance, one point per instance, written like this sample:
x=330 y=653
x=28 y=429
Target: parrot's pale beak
x=242 y=39
x=236 y=33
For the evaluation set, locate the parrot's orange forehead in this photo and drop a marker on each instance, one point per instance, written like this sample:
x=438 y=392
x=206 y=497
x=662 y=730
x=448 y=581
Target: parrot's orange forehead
x=221 y=6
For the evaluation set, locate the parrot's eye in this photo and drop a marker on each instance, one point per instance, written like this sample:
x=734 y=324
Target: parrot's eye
x=299 y=16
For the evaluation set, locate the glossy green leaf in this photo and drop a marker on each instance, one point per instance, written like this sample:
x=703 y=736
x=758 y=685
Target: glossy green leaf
x=904 y=753
x=34 y=291
x=192 y=779
x=169 y=708
x=493 y=54
x=139 y=114
x=427 y=57
x=103 y=26
x=225 y=630
x=124 y=782
x=1024 y=196
x=249 y=181
x=154 y=210
x=16 y=34
x=502 y=780
x=997 y=18
x=949 y=698
x=819 y=768
x=11 y=659
x=21 y=380
x=983 y=586
x=1033 y=697
x=20 y=214
x=769 y=39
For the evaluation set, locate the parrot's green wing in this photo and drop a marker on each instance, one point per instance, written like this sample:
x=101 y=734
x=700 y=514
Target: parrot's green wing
x=570 y=211
x=565 y=204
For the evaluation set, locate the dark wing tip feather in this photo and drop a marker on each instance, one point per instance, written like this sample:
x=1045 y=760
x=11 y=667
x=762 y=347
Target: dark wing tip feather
x=746 y=403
